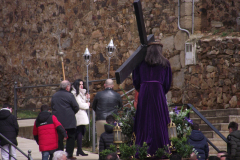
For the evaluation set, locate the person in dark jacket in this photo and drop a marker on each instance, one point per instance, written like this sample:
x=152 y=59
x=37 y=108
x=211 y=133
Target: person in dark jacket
x=233 y=147
x=199 y=142
x=105 y=103
x=106 y=138
x=45 y=132
x=64 y=107
x=8 y=128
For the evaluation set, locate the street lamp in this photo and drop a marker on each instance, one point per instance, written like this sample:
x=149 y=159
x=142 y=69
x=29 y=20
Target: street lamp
x=110 y=50
x=87 y=56
x=117 y=134
x=87 y=59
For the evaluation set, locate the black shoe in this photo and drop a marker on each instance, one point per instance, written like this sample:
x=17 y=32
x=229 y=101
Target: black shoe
x=81 y=153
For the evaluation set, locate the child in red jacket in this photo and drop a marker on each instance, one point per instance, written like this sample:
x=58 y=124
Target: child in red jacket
x=45 y=132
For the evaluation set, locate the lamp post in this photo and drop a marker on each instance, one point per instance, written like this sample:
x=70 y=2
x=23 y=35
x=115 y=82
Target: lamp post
x=117 y=136
x=87 y=59
x=110 y=50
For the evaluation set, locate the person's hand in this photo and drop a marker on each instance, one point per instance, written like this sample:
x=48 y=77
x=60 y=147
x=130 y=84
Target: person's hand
x=65 y=138
x=88 y=103
x=88 y=96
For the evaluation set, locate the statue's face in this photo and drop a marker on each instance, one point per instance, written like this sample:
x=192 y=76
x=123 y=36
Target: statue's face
x=81 y=85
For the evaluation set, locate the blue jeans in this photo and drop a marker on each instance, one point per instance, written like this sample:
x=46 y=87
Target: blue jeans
x=45 y=155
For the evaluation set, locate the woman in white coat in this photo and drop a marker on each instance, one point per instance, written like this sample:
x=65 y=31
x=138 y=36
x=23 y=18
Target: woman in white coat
x=79 y=92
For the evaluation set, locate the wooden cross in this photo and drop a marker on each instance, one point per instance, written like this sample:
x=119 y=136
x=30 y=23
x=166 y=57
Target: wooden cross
x=138 y=56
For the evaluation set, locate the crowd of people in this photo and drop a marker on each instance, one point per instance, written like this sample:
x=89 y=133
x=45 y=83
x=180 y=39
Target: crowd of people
x=65 y=119
x=68 y=118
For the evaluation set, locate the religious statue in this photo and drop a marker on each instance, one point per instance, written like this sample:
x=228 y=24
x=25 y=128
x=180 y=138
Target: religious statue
x=152 y=78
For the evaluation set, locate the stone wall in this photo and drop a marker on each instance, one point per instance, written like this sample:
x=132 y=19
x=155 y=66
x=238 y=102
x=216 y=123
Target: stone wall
x=215 y=81
x=29 y=39
x=218 y=13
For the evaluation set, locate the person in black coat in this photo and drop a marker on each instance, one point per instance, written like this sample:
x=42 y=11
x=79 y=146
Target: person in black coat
x=8 y=128
x=64 y=107
x=199 y=142
x=106 y=138
x=233 y=147
x=105 y=103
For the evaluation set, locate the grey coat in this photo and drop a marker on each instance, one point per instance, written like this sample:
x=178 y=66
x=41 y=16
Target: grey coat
x=233 y=146
x=64 y=106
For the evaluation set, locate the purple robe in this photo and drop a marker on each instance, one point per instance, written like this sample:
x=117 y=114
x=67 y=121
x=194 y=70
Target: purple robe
x=152 y=116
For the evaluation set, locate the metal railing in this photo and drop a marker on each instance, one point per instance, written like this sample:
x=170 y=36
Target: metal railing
x=128 y=92
x=206 y=121
x=29 y=156
x=128 y=101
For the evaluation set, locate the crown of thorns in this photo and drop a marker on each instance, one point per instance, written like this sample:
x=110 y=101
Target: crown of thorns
x=155 y=43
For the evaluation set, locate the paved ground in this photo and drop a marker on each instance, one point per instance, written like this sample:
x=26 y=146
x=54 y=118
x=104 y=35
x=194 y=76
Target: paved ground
x=27 y=144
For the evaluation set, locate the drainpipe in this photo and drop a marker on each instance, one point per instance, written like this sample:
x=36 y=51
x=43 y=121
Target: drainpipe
x=179 y=20
x=192 y=16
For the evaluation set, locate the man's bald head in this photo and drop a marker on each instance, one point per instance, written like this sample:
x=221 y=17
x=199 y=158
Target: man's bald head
x=109 y=83
x=65 y=85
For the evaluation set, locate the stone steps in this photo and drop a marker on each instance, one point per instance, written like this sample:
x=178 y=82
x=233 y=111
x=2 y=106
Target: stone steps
x=213 y=152
x=212 y=134
x=218 y=142
x=223 y=119
x=220 y=120
x=218 y=126
x=217 y=113
x=212 y=120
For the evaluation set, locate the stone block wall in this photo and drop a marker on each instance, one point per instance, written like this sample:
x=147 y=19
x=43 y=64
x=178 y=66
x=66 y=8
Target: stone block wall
x=215 y=81
x=29 y=33
x=218 y=13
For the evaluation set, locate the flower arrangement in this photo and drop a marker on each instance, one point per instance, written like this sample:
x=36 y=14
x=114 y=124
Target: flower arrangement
x=181 y=120
x=179 y=117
